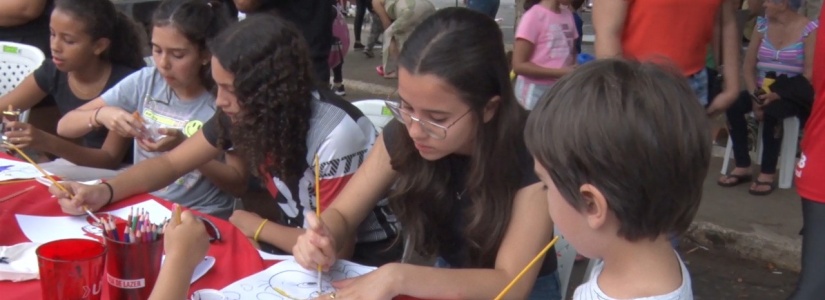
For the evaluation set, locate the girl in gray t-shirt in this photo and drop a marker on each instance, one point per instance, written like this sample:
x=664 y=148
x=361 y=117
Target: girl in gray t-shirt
x=162 y=106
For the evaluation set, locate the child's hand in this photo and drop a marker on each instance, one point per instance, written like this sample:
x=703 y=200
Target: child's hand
x=121 y=122
x=185 y=243
x=92 y=197
x=172 y=138
x=24 y=135
x=316 y=246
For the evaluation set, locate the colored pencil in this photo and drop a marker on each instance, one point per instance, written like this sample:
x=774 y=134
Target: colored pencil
x=318 y=207
x=18 y=193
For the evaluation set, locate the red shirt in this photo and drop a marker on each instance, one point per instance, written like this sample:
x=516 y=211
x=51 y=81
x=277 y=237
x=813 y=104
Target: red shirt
x=810 y=171
x=675 y=30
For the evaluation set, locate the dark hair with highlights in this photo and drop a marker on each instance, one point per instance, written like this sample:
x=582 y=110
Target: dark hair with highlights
x=103 y=21
x=422 y=198
x=273 y=85
x=198 y=20
x=633 y=130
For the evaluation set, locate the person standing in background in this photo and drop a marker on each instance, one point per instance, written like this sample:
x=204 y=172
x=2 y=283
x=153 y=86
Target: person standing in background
x=810 y=174
x=675 y=30
x=309 y=16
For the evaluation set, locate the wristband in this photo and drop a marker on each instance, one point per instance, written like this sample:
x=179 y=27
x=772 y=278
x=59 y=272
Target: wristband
x=258 y=231
x=111 y=192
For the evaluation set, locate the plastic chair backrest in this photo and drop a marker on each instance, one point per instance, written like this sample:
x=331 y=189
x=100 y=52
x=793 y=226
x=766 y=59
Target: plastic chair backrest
x=566 y=257
x=376 y=111
x=17 y=61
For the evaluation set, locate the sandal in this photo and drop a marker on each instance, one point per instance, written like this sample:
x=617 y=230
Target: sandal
x=740 y=179
x=771 y=185
x=390 y=75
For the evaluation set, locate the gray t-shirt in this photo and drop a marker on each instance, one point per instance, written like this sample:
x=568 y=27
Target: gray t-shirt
x=146 y=91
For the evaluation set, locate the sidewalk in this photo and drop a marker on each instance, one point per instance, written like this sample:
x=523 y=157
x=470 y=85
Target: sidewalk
x=760 y=228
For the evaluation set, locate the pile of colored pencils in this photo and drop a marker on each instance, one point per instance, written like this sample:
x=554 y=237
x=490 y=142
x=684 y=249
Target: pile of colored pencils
x=137 y=228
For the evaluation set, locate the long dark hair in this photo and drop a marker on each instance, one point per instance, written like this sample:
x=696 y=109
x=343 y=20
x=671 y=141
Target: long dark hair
x=103 y=21
x=422 y=198
x=273 y=85
x=198 y=20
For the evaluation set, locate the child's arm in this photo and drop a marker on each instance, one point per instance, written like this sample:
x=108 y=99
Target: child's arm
x=185 y=245
x=144 y=176
x=730 y=54
x=608 y=22
x=229 y=176
x=381 y=11
x=19 y=12
x=522 y=51
x=529 y=231
x=109 y=156
x=96 y=113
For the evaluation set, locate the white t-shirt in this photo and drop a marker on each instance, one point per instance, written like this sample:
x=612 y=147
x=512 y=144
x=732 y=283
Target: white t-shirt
x=590 y=290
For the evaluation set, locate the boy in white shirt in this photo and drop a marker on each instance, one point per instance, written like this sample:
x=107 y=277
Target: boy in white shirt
x=623 y=149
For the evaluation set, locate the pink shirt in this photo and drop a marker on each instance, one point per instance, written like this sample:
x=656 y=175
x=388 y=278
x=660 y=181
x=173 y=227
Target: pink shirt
x=553 y=36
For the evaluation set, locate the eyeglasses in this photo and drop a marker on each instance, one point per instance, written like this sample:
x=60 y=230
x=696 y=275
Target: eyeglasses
x=432 y=129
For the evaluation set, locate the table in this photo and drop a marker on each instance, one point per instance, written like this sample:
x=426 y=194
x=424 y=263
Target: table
x=235 y=257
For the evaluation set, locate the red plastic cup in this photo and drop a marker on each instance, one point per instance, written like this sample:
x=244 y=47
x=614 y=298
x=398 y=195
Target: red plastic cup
x=71 y=269
x=132 y=268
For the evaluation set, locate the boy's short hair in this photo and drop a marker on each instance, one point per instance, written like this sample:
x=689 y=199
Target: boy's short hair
x=633 y=130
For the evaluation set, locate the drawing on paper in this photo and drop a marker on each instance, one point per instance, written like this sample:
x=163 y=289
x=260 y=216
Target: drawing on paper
x=289 y=281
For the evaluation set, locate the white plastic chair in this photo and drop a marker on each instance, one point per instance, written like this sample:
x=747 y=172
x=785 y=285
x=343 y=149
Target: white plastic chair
x=787 y=152
x=566 y=257
x=376 y=111
x=17 y=61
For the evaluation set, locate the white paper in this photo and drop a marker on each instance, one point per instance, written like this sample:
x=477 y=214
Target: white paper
x=294 y=280
x=41 y=229
x=12 y=169
x=270 y=256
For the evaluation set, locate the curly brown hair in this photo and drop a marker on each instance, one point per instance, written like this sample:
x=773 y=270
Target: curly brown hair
x=273 y=85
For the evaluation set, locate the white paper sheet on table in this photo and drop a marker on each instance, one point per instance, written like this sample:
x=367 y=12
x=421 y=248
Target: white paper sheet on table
x=42 y=229
x=297 y=282
x=270 y=256
x=12 y=169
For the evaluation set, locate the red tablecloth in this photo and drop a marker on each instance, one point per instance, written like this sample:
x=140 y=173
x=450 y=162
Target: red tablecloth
x=235 y=257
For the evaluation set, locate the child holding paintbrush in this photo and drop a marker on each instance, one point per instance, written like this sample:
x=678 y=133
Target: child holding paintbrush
x=618 y=187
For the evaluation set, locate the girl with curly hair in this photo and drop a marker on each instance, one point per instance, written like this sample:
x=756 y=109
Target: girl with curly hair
x=92 y=49
x=271 y=114
x=458 y=172
x=160 y=107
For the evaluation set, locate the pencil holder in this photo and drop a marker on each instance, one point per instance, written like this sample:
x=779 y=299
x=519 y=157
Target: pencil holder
x=132 y=267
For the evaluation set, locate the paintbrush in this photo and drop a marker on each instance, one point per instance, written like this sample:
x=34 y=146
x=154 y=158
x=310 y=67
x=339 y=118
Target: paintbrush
x=49 y=177
x=318 y=207
x=523 y=271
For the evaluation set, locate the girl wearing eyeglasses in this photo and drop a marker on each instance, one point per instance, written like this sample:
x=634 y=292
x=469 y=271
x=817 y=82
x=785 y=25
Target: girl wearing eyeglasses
x=458 y=174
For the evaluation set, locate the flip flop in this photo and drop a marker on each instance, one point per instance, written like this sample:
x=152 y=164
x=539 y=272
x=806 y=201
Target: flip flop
x=740 y=179
x=771 y=185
